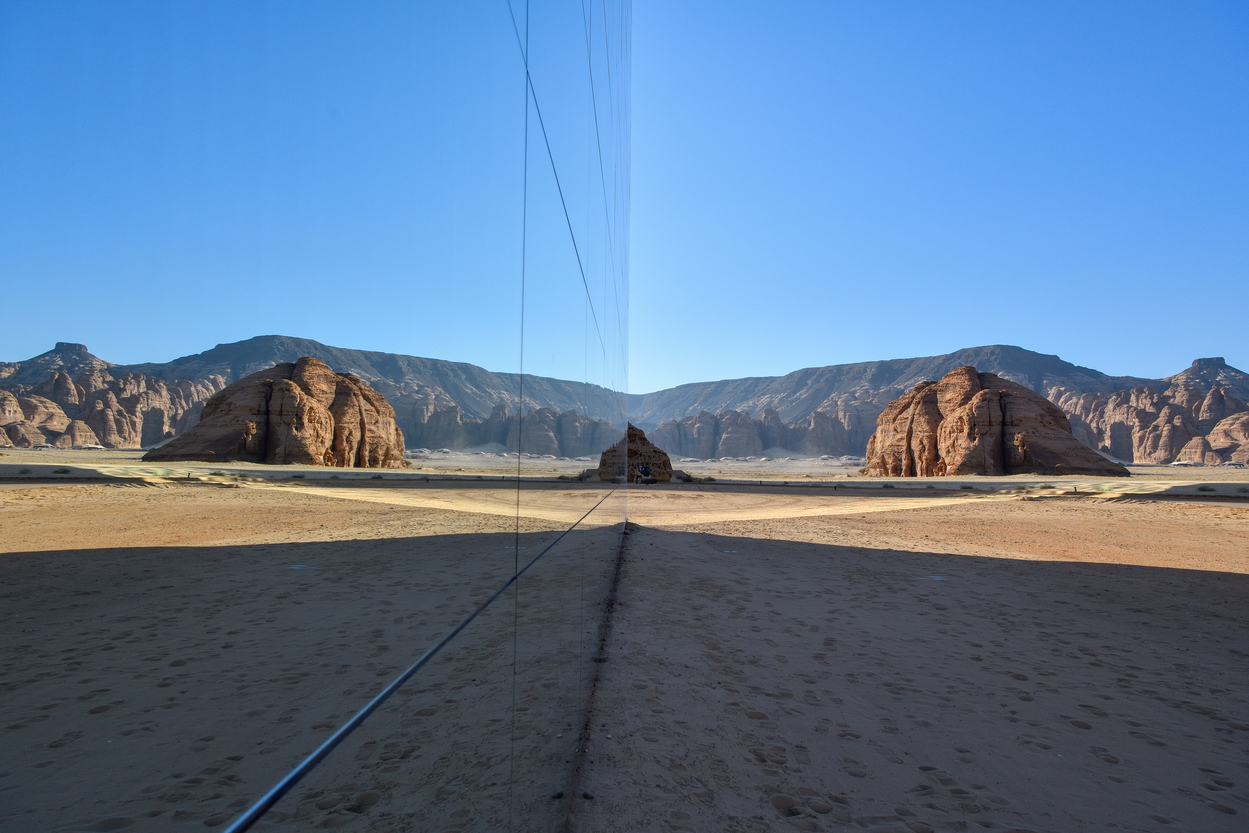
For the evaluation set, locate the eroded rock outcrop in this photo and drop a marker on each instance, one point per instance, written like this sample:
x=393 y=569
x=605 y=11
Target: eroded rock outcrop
x=122 y=410
x=634 y=458
x=978 y=423
x=293 y=413
x=43 y=413
x=842 y=430
x=76 y=433
x=10 y=409
x=1146 y=425
x=25 y=435
x=425 y=423
x=1230 y=439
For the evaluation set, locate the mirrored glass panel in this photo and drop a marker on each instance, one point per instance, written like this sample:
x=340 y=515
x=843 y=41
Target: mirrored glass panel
x=273 y=609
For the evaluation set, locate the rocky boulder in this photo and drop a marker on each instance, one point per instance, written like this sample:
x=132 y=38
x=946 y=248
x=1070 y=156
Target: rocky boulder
x=978 y=423
x=301 y=412
x=634 y=458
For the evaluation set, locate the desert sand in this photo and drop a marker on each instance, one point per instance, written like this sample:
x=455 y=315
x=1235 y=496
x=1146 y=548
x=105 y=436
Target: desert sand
x=779 y=658
x=1059 y=665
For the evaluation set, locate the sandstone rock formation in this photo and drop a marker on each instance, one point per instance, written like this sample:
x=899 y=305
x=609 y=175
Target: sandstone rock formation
x=1198 y=450
x=427 y=424
x=25 y=435
x=843 y=430
x=43 y=414
x=293 y=413
x=814 y=411
x=67 y=357
x=122 y=410
x=634 y=458
x=421 y=390
x=812 y=389
x=1144 y=425
x=77 y=433
x=1230 y=439
x=1213 y=372
x=977 y=423
x=10 y=409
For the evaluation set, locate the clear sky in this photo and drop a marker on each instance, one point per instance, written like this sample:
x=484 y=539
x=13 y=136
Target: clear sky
x=817 y=183
x=812 y=183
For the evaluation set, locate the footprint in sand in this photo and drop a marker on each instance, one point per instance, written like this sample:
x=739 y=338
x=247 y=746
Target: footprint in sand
x=68 y=737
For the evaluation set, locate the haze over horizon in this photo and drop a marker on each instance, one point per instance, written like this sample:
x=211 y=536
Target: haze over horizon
x=812 y=185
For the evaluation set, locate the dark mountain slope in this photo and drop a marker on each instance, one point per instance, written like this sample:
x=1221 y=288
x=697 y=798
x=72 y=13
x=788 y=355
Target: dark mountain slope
x=475 y=390
x=797 y=394
x=65 y=356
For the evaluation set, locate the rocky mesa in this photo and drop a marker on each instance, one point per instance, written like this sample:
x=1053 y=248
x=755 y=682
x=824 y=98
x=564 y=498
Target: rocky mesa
x=978 y=423
x=301 y=412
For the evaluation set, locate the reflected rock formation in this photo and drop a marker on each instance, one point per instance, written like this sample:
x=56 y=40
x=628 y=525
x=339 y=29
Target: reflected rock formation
x=302 y=413
x=635 y=459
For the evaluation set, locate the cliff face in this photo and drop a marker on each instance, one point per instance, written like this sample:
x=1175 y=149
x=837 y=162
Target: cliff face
x=540 y=431
x=977 y=423
x=815 y=411
x=1147 y=425
x=293 y=413
x=437 y=403
x=842 y=431
x=1230 y=438
x=444 y=384
x=114 y=409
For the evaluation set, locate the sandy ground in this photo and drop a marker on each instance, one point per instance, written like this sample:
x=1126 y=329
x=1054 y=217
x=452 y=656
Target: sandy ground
x=781 y=658
x=1061 y=665
x=17 y=465
x=170 y=650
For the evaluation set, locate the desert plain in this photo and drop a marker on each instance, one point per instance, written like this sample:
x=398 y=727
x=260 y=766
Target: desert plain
x=1019 y=654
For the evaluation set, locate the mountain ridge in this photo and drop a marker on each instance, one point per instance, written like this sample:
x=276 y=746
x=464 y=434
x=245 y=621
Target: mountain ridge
x=800 y=392
x=815 y=410
x=476 y=390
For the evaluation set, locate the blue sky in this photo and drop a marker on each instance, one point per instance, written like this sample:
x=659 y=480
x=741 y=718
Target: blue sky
x=829 y=182
x=812 y=183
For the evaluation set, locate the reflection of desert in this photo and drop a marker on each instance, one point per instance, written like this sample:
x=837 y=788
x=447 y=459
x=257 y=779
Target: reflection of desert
x=781 y=658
